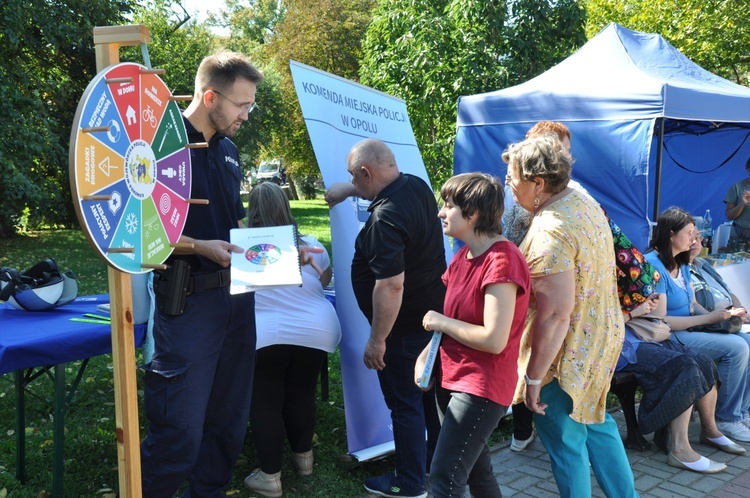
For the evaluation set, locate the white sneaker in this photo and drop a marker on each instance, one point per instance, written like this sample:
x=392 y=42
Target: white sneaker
x=735 y=430
x=746 y=421
x=521 y=444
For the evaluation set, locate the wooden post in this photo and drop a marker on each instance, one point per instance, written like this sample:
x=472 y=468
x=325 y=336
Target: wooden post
x=109 y=39
x=107 y=42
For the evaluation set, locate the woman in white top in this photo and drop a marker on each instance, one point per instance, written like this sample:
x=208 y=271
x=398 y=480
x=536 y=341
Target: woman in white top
x=297 y=327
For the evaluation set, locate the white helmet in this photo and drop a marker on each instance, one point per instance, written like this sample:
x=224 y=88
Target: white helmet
x=39 y=288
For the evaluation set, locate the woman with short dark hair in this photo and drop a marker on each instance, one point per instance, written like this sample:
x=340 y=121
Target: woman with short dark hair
x=487 y=294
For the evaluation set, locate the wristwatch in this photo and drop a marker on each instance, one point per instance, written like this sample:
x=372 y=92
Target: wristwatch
x=531 y=382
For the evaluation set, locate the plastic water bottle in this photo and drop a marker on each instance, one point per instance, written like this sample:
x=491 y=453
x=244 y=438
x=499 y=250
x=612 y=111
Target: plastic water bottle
x=707 y=230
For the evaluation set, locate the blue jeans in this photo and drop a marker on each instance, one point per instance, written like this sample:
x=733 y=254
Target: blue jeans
x=572 y=446
x=732 y=353
x=412 y=410
x=462 y=456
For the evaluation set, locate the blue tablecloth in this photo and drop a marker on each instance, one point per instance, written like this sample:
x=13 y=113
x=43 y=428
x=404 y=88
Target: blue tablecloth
x=39 y=338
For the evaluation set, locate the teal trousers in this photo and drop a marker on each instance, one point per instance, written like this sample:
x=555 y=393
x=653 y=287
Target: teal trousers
x=572 y=446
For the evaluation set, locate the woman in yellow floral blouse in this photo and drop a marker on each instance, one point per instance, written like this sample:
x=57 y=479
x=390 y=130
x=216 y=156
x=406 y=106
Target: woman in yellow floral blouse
x=574 y=328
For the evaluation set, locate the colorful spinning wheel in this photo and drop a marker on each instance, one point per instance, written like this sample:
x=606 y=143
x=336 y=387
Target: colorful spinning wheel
x=129 y=167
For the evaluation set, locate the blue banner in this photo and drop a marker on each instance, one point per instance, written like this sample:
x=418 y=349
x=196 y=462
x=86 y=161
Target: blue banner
x=338 y=114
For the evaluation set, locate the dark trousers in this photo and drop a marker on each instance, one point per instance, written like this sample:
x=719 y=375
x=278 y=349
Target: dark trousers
x=462 y=456
x=284 y=401
x=197 y=394
x=412 y=410
x=523 y=419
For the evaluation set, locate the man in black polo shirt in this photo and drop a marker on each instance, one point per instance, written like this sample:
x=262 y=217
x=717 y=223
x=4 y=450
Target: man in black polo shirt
x=398 y=263
x=198 y=385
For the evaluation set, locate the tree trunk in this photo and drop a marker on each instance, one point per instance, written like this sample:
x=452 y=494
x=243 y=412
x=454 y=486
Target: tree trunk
x=293 y=195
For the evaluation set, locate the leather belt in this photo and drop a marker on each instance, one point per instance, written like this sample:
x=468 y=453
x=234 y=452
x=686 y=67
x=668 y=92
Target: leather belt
x=201 y=282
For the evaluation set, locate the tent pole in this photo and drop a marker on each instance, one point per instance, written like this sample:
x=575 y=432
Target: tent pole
x=657 y=183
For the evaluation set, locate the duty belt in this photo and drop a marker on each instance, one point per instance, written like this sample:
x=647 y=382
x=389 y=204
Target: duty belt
x=201 y=282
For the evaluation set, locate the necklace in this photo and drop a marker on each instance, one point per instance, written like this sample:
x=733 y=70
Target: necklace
x=681 y=282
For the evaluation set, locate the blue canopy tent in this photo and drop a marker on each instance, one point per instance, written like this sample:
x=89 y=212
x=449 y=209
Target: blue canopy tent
x=650 y=129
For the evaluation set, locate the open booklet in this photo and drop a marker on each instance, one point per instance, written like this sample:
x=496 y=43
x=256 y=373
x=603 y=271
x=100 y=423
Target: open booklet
x=270 y=259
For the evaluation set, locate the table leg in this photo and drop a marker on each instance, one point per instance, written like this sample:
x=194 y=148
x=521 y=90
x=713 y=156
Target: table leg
x=20 y=427
x=58 y=444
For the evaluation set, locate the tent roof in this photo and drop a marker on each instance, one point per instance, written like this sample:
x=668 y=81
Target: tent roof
x=618 y=74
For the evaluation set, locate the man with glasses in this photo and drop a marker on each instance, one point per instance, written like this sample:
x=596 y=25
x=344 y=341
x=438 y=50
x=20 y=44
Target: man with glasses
x=198 y=384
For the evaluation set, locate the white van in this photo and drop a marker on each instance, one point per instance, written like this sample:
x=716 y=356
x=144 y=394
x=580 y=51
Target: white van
x=271 y=171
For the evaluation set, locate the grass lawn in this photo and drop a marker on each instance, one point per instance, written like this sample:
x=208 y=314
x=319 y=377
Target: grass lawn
x=90 y=450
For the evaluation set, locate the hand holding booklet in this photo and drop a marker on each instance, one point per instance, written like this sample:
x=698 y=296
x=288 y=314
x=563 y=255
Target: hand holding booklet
x=424 y=380
x=270 y=259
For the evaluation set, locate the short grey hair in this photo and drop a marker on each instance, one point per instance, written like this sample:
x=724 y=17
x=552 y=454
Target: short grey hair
x=540 y=157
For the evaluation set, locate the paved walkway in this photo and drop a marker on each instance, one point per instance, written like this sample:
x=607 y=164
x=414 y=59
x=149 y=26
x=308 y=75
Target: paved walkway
x=528 y=474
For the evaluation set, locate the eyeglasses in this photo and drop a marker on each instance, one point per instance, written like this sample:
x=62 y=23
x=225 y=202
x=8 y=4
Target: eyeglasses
x=245 y=108
x=509 y=179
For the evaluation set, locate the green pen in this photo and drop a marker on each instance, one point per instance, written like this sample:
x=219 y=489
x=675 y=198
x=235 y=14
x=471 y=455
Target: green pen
x=91 y=320
x=98 y=317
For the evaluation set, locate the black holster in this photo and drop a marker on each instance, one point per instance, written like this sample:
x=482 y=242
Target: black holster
x=171 y=288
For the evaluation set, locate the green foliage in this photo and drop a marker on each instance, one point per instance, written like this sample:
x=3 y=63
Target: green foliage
x=324 y=34
x=69 y=248
x=715 y=34
x=307 y=187
x=50 y=44
x=253 y=23
x=540 y=34
x=431 y=52
x=410 y=52
x=176 y=48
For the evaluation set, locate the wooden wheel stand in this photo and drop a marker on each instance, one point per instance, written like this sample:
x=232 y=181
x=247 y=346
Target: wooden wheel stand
x=107 y=42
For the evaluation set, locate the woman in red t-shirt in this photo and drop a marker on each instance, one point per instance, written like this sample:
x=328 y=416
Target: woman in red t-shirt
x=485 y=308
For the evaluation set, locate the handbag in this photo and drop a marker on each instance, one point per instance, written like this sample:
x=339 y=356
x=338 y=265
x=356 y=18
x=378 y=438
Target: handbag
x=729 y=326
x=649 y=328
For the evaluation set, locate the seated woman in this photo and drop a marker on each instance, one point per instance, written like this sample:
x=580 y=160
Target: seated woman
x=669 y=253
x=296 y=327
x=711 y=292
x=672 y=380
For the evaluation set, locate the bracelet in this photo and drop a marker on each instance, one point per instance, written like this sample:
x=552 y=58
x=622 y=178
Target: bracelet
x=630 y=316
x=531 y=382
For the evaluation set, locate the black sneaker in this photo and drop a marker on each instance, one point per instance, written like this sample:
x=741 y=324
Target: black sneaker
x=387 y=485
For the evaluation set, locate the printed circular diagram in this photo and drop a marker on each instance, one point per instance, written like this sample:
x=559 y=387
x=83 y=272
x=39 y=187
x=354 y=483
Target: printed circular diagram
x=263 y=254
x=130 y=178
